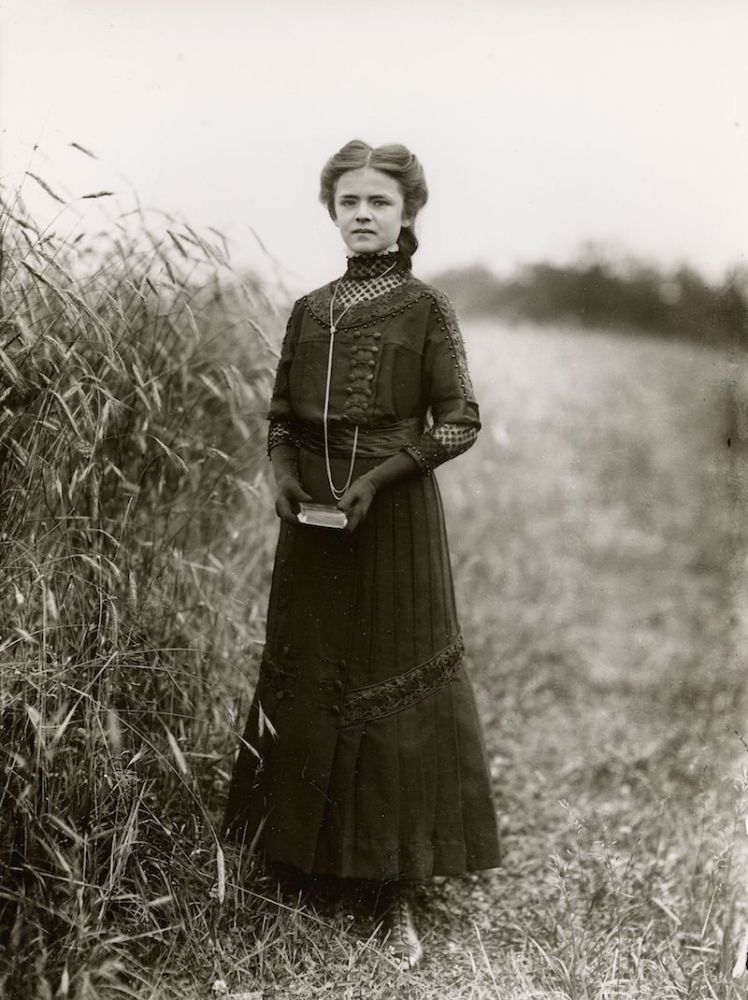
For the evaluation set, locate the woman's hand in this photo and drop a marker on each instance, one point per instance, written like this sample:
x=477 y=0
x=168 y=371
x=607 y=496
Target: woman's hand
x=357 y=500
x=289 y=493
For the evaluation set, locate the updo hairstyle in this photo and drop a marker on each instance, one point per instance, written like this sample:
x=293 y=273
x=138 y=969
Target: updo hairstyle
x=393 y=159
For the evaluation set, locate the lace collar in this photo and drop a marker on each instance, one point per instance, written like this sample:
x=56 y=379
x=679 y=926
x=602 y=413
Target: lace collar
x=364 y=313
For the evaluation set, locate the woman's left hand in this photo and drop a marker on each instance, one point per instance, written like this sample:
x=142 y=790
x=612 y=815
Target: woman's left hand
x=357 y=500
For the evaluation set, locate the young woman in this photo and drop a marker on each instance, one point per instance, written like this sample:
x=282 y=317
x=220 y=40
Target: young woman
x=368 y=757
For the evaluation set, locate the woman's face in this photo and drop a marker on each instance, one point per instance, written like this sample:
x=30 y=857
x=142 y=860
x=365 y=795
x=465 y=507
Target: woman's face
x=368 y=209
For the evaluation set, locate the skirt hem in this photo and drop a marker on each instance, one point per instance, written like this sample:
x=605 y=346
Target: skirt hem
x=385 y=873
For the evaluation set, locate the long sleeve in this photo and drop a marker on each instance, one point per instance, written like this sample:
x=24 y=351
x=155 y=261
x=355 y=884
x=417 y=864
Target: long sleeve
x=283 y=424
x=450 y=393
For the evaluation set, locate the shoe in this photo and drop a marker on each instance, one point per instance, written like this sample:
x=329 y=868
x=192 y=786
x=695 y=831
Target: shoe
x=399 y=930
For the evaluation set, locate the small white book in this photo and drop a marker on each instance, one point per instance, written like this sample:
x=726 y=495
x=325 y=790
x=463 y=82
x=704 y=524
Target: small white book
x=321 y=515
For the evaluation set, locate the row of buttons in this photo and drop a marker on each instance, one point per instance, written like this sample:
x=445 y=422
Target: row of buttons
x=338 y=686
x=361 y=375
x=286 y=651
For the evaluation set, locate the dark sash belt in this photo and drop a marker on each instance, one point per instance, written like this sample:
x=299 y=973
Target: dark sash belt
x=373 y=442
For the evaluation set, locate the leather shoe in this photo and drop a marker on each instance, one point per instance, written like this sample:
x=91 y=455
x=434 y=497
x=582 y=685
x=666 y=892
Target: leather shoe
x=401 y=938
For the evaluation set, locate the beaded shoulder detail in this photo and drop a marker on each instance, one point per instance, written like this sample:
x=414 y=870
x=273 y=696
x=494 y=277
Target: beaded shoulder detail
x=364 y=313
x=448 y=322
x=398 y=693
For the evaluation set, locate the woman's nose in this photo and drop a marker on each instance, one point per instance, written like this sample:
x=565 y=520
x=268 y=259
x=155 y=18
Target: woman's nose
x=363 y=212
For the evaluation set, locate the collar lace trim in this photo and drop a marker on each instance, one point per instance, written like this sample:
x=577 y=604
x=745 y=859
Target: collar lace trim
x=364 y=313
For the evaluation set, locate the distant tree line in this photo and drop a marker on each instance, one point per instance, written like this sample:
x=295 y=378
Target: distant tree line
x=597 y=292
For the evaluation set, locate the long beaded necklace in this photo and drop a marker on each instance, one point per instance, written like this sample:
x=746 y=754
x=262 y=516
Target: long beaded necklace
x=338 y=494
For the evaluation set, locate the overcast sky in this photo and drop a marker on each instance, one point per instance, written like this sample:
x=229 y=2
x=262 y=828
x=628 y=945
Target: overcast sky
x=541 y=124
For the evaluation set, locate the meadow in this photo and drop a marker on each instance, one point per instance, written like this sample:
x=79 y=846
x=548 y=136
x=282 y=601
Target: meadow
x=599 y=552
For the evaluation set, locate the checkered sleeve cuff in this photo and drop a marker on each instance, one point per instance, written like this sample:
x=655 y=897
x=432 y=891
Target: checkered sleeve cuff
x=282 y=432
x=441 y=443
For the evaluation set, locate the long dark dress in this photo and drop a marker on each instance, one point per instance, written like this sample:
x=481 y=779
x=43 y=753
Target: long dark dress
x=367 y=758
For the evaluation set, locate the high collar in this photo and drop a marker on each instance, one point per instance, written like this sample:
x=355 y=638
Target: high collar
x=371 y=265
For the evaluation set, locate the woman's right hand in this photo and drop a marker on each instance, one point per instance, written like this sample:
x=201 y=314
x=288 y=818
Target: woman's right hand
x=289 y=493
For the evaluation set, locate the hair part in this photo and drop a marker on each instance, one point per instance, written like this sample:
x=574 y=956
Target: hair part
x=392 y=159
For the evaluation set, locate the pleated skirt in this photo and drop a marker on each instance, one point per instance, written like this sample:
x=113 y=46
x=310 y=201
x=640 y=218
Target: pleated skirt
x=363 y=755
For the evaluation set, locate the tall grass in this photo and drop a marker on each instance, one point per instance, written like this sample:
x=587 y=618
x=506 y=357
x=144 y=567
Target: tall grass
x=133 y=377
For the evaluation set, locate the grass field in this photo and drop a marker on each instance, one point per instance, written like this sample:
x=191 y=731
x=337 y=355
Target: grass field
x=599 y=553
x=599 y=523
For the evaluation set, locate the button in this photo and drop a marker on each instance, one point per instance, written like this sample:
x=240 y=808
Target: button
x=340 y=664
x=349 y=389
x=367 y=392
x=369 y=377
x=335 y=709
x=279 y=696
x=286 y=650
x=372 y=363
x=338 y=685
x=356 y=333
x=377 y=335
x=374 y=348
